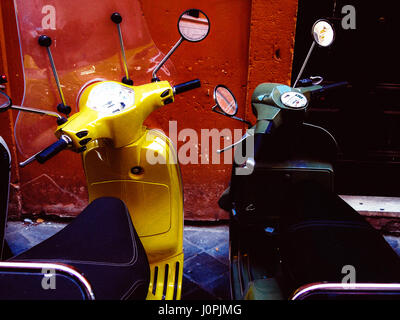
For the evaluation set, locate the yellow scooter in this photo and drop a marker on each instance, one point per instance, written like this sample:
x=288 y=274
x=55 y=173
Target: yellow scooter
x=125 y=160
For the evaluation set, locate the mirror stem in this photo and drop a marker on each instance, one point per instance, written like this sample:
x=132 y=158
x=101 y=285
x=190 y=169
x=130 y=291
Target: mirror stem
x=242 y=120
x=232 y=117
x=121 y=41
x=304 y=64
x=158 y=67
x=53 y=67
x=117 y=19
x=247 y=134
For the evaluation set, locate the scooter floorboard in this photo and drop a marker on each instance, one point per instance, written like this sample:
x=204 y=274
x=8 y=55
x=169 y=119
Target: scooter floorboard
x=252 y=268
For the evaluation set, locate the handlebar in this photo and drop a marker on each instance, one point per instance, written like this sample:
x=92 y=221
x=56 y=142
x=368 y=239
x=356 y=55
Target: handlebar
x=332 y=86
x=322 y=88
x=186 y=86
x=53 y=149
x=49 y=152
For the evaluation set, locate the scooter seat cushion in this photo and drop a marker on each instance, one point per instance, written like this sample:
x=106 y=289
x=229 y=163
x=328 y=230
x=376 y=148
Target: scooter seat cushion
x=323 y=239
x=103 y=245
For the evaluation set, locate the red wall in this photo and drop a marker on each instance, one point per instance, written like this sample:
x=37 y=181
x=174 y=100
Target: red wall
x=249 y=42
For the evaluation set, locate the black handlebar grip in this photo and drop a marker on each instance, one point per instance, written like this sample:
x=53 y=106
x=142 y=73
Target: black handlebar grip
x=51 y=151
x=333 y=86
x=186 y=86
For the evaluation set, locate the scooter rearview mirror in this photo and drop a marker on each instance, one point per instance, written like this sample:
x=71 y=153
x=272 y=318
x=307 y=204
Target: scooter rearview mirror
x=5 y=102
x=193 y=26
x=226 y=104
x=323 y=35
x=225 y=100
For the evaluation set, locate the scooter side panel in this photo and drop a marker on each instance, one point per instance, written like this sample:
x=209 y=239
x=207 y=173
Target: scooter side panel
x=259 y=195
x=283 y=158
x=146 y=176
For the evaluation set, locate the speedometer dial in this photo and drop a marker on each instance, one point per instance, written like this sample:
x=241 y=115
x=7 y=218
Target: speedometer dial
x=110 y=98
x=294 y=100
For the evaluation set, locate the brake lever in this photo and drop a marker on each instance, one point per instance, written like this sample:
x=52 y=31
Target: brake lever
x=248 y=133
x=311 y=81
x=66 y=139
x=29 y=160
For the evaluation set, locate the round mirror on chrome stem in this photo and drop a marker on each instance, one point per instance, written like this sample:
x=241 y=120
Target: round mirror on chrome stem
x=225 y=100
x=5 y=101
x=193 y=25
x=323 y=33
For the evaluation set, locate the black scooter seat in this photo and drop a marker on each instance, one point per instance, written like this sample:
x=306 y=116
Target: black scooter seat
x=103 y=245
x=323 y=239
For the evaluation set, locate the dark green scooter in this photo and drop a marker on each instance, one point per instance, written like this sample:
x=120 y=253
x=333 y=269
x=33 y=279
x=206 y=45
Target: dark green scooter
x=291 y=236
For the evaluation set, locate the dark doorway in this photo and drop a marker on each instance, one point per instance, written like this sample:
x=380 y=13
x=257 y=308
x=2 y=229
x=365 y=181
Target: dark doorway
x=365 y=117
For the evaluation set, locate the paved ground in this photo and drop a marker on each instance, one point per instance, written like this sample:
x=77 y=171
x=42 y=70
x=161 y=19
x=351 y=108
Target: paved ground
x=206 y=266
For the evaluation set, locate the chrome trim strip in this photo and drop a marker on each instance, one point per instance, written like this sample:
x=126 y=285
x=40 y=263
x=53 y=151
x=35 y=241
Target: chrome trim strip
x=61 y=268
x=323 y=129
x=4 y=144
x=304 y=291
x=239 y=270
x=7 y=149
x=230 y=265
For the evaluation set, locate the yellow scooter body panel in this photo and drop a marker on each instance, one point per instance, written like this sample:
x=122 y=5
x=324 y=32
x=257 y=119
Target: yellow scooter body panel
x=125 y=160
x=154 y=195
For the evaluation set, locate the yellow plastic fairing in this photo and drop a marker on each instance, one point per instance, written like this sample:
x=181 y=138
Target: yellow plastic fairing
x=152 y=192
x=110 y=116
